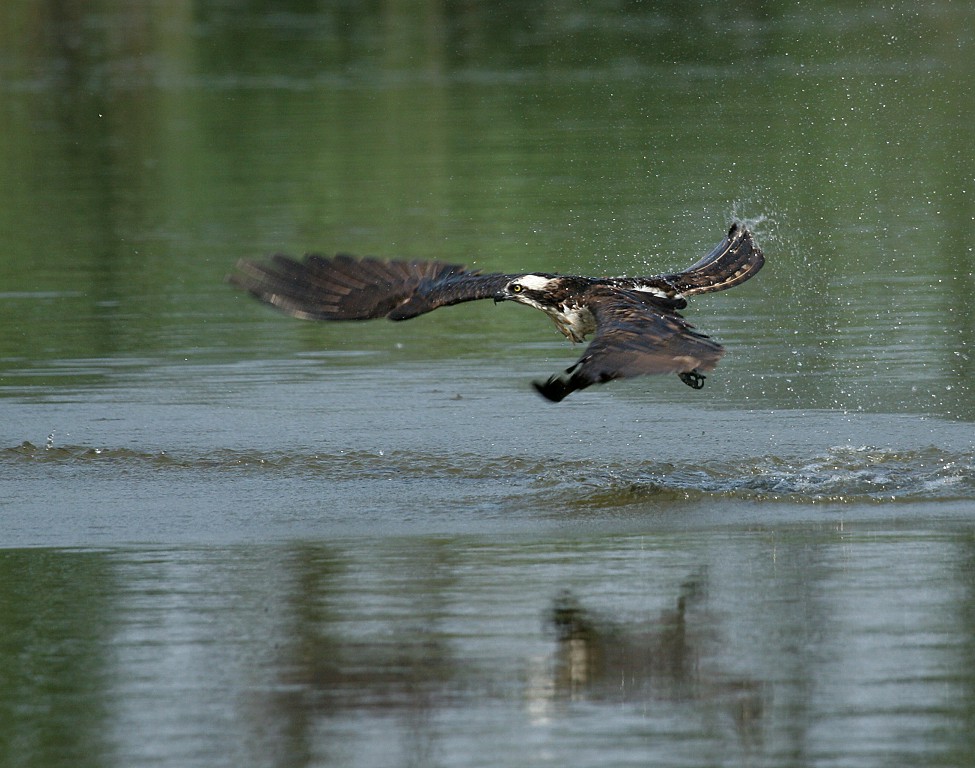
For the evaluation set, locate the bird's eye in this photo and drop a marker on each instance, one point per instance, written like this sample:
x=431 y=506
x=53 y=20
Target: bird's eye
x=516 y=288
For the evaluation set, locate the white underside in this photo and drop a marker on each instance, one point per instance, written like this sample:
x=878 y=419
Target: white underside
x=652 y=290
x=574 y=322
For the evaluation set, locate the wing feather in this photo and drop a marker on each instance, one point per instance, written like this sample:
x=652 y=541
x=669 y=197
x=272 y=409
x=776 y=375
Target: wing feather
x=635 y=336
x=343 y=287
x=731 y=262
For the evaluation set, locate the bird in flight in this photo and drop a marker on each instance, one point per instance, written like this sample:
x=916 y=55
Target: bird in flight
x=634 y=321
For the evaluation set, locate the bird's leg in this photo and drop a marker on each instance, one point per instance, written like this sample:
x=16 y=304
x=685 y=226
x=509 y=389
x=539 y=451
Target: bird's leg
x=693 y=379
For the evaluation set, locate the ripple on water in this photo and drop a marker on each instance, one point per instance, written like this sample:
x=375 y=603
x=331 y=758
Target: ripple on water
x=840 y=474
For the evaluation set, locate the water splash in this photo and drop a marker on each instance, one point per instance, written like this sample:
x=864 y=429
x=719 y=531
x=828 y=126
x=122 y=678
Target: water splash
x=840 y=474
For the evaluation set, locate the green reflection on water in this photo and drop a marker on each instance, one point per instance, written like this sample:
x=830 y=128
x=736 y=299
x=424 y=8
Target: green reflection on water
x=735 y=644
x=145 y=149
x=55 y=624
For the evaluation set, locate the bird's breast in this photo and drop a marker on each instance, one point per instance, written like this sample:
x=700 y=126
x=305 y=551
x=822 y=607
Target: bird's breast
x=575 y=322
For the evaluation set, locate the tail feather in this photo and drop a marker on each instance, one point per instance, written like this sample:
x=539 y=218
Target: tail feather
x=733 y=261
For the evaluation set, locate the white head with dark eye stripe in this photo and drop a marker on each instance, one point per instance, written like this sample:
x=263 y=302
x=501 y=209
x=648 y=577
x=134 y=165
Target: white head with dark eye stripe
x=560 y=297
x=532 y=283
x=532 y=289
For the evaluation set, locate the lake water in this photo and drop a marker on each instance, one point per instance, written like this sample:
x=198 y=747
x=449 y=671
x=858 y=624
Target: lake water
x=233 y=538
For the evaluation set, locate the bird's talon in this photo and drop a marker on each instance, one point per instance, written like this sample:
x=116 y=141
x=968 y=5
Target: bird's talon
x=693 y=379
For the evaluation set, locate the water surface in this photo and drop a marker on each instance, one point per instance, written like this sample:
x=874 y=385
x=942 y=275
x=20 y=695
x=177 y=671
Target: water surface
x=231 y=538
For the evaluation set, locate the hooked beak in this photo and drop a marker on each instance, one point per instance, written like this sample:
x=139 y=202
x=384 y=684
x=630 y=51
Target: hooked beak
x=501 y=296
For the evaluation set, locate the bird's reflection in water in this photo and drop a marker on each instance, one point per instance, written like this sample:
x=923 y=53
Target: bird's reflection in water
x=666 y=659
x=383 y=675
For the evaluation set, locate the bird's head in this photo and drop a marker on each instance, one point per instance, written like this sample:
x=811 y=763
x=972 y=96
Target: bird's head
x=534 y=289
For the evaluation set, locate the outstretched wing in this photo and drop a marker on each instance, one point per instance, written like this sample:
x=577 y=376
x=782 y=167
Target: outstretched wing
x=732 y=261
x=346 y=288
x=635 y=336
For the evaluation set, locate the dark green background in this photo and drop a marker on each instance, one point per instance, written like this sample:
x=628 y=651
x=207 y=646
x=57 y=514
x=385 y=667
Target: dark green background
x=145 y=147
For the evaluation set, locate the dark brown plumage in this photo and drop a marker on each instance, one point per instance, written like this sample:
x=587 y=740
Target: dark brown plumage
x=635 y=321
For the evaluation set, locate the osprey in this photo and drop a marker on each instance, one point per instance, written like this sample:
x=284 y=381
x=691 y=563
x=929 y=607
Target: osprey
x=634 y=321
